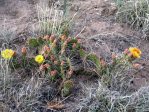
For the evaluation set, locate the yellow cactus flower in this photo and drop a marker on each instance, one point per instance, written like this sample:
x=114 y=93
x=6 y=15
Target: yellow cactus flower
x=39 y=59
x=7 y=53
x=136 y=53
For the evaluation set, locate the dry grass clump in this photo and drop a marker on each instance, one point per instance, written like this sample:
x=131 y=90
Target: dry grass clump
x=6 y=35
x=101 y=99
x=134 y=13
x=53 y=20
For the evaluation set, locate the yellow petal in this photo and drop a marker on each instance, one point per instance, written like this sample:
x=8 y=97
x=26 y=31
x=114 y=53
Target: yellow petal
x=39 y=59
x=7 y=53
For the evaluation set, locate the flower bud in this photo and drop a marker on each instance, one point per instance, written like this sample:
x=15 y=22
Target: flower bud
x=78 y=41
x=63 y=37
x=46 y=49
x=53 y=73
x=24 y=51
x=126 y=51
x=46 y=37
x=52 y=57
x=70 y=72
x=74 y=45
x=68 y=39
x=42 y=67
x=103 y=63
x=55 y=41
x=46 y=65
x=62 y=63
x=52 y=37
x=55 y=62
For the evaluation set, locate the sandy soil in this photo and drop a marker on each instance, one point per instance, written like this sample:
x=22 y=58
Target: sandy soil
x=16 y=17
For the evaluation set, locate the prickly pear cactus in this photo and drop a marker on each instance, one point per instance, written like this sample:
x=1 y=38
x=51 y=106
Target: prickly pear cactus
x=33 y=42
x=67 y=88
